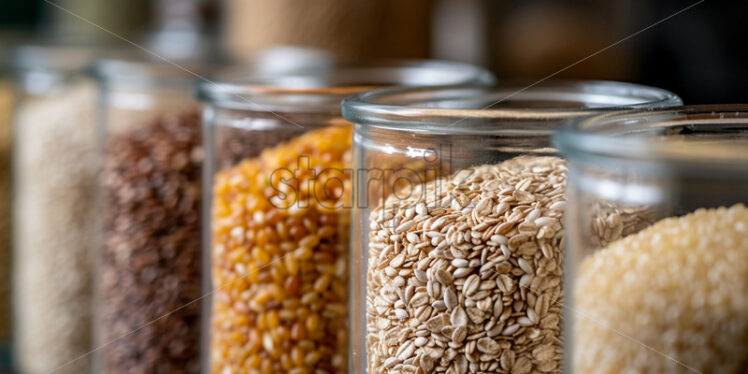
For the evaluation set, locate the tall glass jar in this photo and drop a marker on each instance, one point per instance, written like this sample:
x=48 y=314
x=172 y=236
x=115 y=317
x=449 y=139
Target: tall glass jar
x=279 y=169
x=53 y=166
x=657 y=254
x=149 y=284
x=457 y=241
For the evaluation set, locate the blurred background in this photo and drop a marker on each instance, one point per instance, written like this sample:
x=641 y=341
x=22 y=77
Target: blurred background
x=699 y=54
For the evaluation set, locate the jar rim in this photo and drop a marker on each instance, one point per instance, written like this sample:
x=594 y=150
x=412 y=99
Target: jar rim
x=65 y=59
x=320 y=90
x=706 y=135
x=473 y=108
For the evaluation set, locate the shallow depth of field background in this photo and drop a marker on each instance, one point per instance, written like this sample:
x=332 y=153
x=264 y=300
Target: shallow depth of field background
x=700 y=54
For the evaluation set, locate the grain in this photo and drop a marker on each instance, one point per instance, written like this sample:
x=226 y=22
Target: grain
x=151 y=259
x=295 y=256
x=678 y=287
x=487 y=316
x=54 y=175
x=608 y=222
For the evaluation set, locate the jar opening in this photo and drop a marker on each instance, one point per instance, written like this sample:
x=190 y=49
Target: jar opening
x=321 y=90
x=689 y=136
x=471 y=109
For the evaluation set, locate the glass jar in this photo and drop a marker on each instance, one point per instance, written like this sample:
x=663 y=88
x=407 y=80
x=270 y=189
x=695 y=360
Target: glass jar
x=457 y=239
x=54 y=167
x=149 y=283
x=657 y=255
x=279 y=169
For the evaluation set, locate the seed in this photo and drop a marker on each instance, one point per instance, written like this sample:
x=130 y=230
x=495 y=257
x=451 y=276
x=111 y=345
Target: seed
x=439 y=305
x=405 y=226
x=524 y=321
x=525 y=265
x=459 y=334
x=420 y=275
x=511 y=329
x=401 y=313
x=545 y=221
x=390 y=362
x=413 y=237
x=420 y=341
x=471 y=285
x=450 y=298
x=421 y=209
x=435 y=324
x=461 y=272
x=488 y=345
x=499 y=239
x=459 y=263
x=522 y=366
x=458 y=318
x=559 y=205
x=507 y=359
x=444 y=277
x=406 y=351
x=544 y=353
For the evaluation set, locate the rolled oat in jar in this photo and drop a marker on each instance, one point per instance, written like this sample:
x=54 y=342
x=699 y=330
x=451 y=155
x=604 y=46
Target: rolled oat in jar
x=280 y=215
x=460 y=257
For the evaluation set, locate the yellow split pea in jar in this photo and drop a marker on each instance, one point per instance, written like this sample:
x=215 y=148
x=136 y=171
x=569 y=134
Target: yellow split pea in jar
x=674 y=287
x=278 y=158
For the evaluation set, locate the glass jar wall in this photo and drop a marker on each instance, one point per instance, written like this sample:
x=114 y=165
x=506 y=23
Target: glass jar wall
x=149 y=283
x=6 y=98
x=279 y=170
x=657 y=255
x=458 y=223
x=53 y=166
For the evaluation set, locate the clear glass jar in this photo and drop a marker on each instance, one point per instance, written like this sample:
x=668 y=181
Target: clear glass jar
x=149 y=283
x=279 y=170
x=657 y=254
x=458 y=206
x=53 y=172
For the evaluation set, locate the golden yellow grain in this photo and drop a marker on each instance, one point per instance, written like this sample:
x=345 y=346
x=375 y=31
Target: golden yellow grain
x=282 y=266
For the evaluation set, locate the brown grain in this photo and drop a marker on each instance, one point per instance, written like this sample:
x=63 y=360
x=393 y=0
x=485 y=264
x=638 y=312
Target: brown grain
x=151 y=260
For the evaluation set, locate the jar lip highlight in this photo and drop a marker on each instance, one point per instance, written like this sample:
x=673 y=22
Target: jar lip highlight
x=478 y=109
x=689 y=136
x=73 y=58
x=320 y=90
